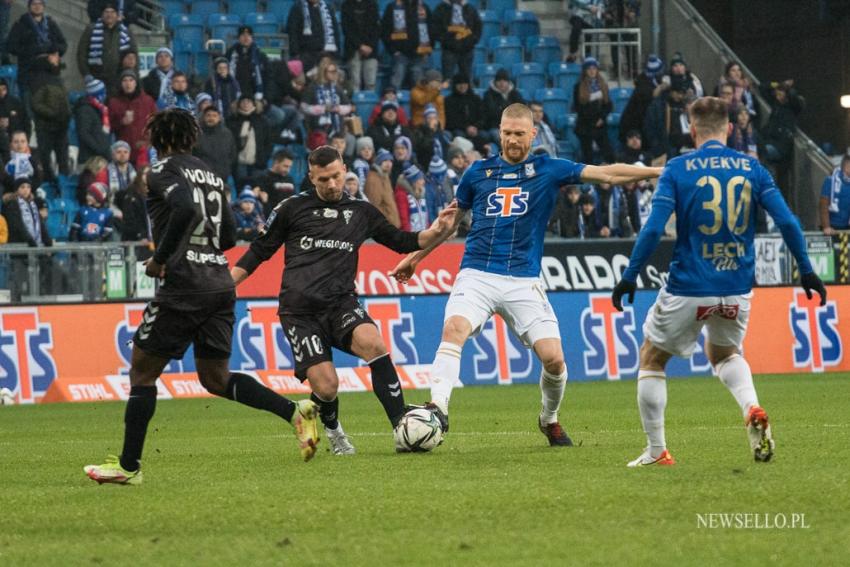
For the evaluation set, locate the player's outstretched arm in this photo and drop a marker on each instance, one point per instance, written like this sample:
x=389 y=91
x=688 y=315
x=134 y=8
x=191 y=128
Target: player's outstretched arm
x=618 y=173
x=263 y=247
x=453 y=217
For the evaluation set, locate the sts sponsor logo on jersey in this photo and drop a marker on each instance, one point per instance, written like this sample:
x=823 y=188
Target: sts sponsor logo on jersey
x=261 y=338
x=507 y=202
x=609 y=337
x=26 y=363
x=396 y=329
x=500 y=354
x=817 y=343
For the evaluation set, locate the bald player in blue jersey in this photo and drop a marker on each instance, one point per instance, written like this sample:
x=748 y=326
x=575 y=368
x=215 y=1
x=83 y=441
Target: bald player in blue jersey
x=511 y=197
x=714 y=192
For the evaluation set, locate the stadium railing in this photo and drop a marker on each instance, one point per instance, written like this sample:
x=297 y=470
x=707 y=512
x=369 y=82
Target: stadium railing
x=618 y=49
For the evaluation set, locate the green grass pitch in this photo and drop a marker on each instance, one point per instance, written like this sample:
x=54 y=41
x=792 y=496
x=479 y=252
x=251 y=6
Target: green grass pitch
x=224 y=484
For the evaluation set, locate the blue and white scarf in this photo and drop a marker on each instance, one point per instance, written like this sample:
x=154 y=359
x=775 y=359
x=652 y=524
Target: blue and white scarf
x=327 y=24
x=836 y=181
x=31 y=218
x=42 y=30
x=119 y=181
x=457 y=14
x=96 y=42
x=164 y=82
x=326 y=95
x=20 y=166
x=424 y=47
x=254 y=52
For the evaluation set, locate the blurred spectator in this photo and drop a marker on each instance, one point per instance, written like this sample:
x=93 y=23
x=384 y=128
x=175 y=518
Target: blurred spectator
x=5 y=14
x=249 y=219
x=410 y=199
x=457 y=26
x=402 y=158
x=464 y=111
x=34 y=36
x=101 y=47
x=223 y=87
x=778 y=134
x=389 y=94
x=387 y=129
x=93 y=222
x=120 y=172
x=613 y=211
x=362 y=31
x=253 y=140
x=400 y=31
x=158 y=81
x=584 y=14
x=430 y=140
x=13 y=114
x=178 y=95
x=427 y=91
x=364 y=152
x=545 y=138
x=835 y=199
x=439 y=190
x=126 y=9
x=216 y=146
x=633 y=150
x=248 y=64
x=135 y=225
x=727 y=94
x=678 y=69
x=4 y=231
x=588 y=221
x=352 y=187
x=202 y=102
x=129 y=62
x=23 y=217
x=743 y=137
x=565 y=217
x=128 y=113
x=456 y=163
x=340 y=142
x=326 y=104
x=52 y=115
x=639 y=201
x=667 y=125
x=94 y=170
x=313 y=32
x=379 y=189
x=592 y=105
x=285 y=91
x=275 y=184
x=648 y=86
x=733 y=75
x=22 y=164
x=499 y=96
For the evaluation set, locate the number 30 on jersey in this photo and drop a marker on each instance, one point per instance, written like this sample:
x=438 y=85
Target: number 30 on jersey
x=507 y=202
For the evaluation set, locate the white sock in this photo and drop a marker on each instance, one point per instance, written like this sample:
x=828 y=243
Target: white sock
x=652 y=399
x=736 y=375
x=444 y=373
x=552 y=388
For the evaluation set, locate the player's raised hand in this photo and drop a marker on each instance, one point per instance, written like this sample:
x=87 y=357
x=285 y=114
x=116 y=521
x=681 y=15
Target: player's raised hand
x=445 y=220
x=154 y=269
x=403 y=270
x=623 y=288
x=811 y=282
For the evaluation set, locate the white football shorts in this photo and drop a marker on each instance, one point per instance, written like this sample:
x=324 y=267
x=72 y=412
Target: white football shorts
x=674 y=322
x=521 y=302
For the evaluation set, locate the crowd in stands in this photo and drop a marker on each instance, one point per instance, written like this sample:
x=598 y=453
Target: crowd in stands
x=405 y=148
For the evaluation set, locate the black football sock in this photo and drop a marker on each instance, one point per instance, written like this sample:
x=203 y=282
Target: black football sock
x=387 y=387
x=140 y=409
x=327 y=411
x=245 y=390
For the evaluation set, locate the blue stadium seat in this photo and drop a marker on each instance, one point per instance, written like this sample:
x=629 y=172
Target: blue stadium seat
x=10 y=73
x=172 y=7
x=485 y=72
x=543 y=49
x=506 y=49
x=224 y=26
x=365 y=101
x=205 y=8
x=522 y=23
x=279 y=8
x=491 y=25
x=529 y=77
x=183 y=61
x=404 y=101
x=566 y=124
x=613 y=121
x=188 y=30
x=262 y=23
x=241 y=6
x=620 y=98
x=437 y=60
x=555 y=102
x=565 y=75
x=480 y=55
x=567 y=150
x=500 y=6
x=201 y=62
x=382 y=6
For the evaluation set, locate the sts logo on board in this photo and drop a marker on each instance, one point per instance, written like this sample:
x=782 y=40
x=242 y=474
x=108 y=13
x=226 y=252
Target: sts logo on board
x=27 y=367
x=609 y=337
x=817 y=342
x=134 y=316
x=500 y=354
x=261 y=338
x=396 y=329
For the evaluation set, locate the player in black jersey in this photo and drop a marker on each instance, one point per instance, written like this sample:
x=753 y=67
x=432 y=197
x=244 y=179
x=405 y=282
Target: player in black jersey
x=192 y=226
x=322 y=230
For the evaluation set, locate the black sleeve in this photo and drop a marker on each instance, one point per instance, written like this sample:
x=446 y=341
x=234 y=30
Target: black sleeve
x=393 y=238
x=228 y=228
x=264 y=247
x=182 y=206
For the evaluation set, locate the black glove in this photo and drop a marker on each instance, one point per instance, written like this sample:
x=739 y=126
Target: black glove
x=623 y=288
x=811 y=282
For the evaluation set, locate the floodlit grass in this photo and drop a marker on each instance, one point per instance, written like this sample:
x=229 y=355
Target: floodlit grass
x=224 y=484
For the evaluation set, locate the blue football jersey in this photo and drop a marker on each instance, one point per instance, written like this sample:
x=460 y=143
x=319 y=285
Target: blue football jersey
x=511 y=205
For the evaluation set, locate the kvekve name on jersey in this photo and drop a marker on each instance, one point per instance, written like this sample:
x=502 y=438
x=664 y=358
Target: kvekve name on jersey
x=695 y=164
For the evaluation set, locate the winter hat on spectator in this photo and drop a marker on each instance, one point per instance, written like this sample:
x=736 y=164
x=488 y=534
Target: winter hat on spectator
x=363 y=142
x=389 y=105
x=352 y=175
x=413 y=174
x=29 y=2
x=464 y=144
x=21 y=181
x=429 y=109
x=129 y=73
x=586 y=199
x=654 y=65
x=633 y=133
x=404 y=141
x=246 y=29
x=202 y=97
x=218 y=60
x=677 y=59
x=461 y=79
x=120 y=144
x=454 y=152
x=387 y=90
x=502 y=75
x=432 y=75
x=94 y=86
x=382 y=156
x=295 y=67
x=589 y=62
x=98 y=190
x=437 y=166
x=247 y=195
x=165 y=50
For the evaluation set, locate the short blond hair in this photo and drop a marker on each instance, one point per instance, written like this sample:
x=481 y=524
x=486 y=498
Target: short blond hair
x=709 y=115
x=518 y=110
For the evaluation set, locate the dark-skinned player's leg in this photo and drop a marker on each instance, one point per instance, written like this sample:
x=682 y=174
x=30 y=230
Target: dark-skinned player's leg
x=367 y=343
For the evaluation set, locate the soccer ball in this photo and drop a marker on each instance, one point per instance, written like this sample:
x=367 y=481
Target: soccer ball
x=7 y=398
x=418 y=431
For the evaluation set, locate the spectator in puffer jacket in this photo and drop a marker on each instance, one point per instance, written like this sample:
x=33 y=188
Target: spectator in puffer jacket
x=128 y=113
x=93 y=125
